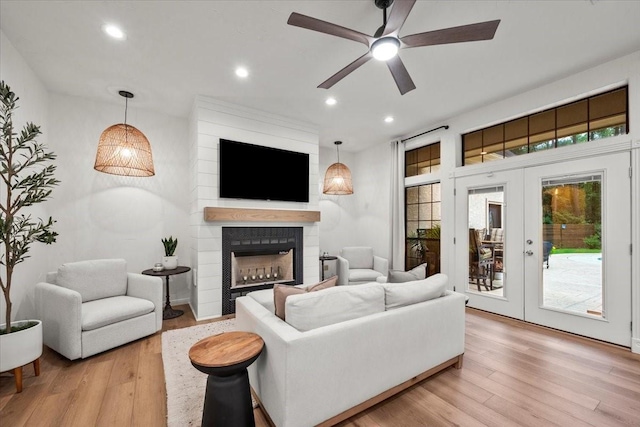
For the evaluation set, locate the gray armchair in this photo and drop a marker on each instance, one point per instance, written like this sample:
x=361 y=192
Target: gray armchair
x=358 y=264
x=88 y=307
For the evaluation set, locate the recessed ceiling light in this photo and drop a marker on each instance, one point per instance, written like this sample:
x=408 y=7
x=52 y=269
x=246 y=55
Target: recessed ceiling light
x=330 y=101
x=114 y=31
x=242 y=72
x=388 y=119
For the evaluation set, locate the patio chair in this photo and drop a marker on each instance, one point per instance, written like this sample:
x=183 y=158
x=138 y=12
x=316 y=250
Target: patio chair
x=481 y=261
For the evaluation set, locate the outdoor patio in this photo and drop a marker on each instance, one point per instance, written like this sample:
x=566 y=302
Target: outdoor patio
x=572 y=283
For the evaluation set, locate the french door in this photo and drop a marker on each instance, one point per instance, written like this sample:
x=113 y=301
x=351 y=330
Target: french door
x=587 y=201
x=563 y=256
x=496 y=285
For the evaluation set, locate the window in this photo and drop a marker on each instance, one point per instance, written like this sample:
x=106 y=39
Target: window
x=422 y=226
x=593 y=118
x=422 y=210
x=422 y=160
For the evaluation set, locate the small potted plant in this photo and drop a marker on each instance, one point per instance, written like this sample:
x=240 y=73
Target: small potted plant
x=27 y=179
x=169 y=260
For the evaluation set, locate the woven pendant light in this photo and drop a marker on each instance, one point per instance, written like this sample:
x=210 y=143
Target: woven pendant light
x=337 y=179
x=123 y=149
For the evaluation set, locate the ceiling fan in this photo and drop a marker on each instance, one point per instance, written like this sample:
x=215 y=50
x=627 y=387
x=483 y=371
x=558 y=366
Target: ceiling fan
x=385 y=43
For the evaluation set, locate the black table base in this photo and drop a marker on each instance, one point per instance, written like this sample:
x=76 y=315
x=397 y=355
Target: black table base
x=171 y=313
x=227 y=402
x=168 y=312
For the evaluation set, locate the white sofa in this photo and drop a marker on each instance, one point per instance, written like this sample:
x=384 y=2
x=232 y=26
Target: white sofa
x=325 y=374
x=87 y=307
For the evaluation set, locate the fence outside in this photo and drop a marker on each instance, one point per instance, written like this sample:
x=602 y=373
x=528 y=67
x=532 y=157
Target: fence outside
x=567 y=235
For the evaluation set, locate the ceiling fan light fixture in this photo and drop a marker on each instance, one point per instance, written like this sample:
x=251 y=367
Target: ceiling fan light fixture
x=385 y=48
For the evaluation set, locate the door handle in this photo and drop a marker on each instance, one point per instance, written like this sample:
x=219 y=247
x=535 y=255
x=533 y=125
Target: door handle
x=529 y=253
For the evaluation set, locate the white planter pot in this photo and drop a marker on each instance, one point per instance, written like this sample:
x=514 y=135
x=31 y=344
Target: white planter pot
x=22 y=347
x=170 y=262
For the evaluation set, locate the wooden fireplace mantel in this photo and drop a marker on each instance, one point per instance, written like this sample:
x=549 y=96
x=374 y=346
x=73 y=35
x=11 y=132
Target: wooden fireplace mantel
x=260 y=215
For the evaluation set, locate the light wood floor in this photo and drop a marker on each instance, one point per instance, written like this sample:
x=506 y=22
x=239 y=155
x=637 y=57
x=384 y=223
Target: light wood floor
x=514 y=374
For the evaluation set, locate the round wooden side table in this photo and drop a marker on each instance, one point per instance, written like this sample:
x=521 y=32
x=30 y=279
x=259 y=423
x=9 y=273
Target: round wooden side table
x=225 y=358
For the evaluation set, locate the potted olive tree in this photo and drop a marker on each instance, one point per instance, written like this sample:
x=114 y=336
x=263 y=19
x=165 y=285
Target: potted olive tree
x=27 y=179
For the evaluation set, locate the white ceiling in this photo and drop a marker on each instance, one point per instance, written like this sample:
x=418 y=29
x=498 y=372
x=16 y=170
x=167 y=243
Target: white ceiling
x=176 y=50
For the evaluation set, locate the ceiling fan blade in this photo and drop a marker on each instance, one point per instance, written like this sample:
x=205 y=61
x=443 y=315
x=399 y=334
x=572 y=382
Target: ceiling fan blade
x=464 y=33
x=399 y=12
x=314 y=24
x=345 y=71
x=400 y=75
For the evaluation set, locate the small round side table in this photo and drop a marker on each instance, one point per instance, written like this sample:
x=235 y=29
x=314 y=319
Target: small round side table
x=168 y=312
x=324 y=258
x=225 y=358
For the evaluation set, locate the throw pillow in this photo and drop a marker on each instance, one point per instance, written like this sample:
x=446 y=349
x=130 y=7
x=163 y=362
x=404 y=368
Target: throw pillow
x=281 y=292
x=416 y=273
x=401 y=294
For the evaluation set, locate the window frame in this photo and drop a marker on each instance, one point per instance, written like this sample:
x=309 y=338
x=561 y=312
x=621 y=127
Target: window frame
x=540 y=135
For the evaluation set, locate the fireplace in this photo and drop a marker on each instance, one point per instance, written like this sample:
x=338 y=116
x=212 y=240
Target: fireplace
x=256 y=258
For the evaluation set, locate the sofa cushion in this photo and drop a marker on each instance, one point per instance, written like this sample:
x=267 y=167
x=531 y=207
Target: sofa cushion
x=416 y=273
x=281 y=292
x=485 y=253
x=94 y=279
x=106 y=311
x=312 y=310
x=407 y=293
x=358 y=257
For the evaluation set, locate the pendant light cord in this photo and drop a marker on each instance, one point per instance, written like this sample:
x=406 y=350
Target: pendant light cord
x=126 y=105
x=126 y=132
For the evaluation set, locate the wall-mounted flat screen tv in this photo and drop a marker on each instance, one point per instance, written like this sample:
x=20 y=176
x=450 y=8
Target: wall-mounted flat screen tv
x=249 y=171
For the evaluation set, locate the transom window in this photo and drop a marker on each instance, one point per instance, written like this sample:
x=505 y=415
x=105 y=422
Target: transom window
x=593 y=118
x=422 y=160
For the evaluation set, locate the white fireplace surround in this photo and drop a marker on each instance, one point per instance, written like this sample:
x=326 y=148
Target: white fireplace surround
x=210 y=121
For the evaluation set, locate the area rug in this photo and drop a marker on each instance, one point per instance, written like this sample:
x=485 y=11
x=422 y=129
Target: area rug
x=185 y=384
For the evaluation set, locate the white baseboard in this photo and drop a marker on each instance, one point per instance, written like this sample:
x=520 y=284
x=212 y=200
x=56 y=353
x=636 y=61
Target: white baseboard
x=216 y=316
x=635 y=345
x=180 y=301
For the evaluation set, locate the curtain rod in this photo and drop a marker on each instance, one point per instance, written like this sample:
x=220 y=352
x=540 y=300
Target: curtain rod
x=423 y=133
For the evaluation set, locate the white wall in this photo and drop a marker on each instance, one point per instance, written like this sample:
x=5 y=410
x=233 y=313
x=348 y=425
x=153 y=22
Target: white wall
x=32 y=108
x=214 y=120
x=363 y=218
x=99 y=215
x=338 y=212
x=108 y=216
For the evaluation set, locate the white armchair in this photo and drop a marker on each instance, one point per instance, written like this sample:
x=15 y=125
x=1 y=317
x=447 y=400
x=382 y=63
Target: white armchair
x=88 y=307
x=358 y=264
